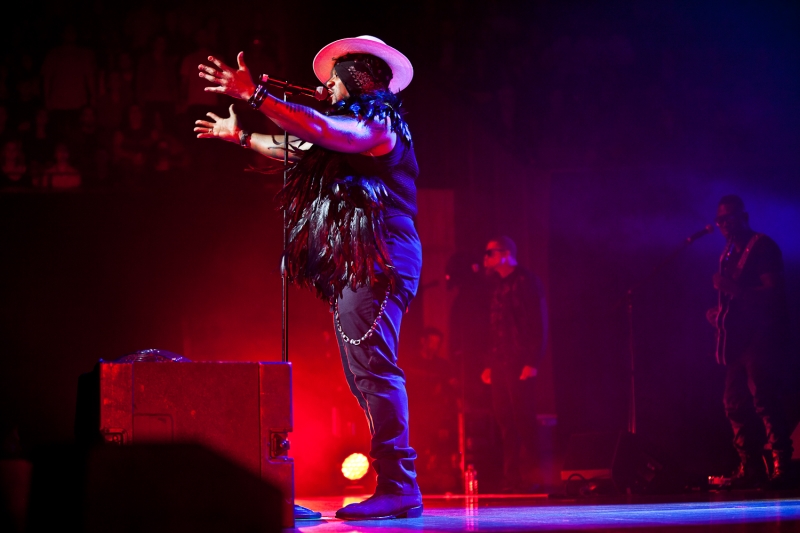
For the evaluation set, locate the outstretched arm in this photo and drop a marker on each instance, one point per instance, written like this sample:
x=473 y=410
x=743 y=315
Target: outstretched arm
x=273 y=146
x=342 y=134
x=228 y=129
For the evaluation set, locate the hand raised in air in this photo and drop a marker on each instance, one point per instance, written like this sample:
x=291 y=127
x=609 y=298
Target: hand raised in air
x=218 y=127
x=237 y=83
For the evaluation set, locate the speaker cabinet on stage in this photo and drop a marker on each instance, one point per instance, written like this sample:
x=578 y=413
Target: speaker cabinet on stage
x=157 y=488
x=615 y=462
x=242 y=411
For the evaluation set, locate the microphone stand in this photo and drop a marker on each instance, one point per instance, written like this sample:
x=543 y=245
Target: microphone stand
x=288 y=90
x=629 y=310
x=284 y=277
x=318 y=94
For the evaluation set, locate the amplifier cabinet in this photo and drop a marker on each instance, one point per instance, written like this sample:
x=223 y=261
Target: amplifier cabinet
x=240 y=410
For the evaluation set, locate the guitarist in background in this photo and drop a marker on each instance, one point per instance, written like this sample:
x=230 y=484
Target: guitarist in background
x=752 y=323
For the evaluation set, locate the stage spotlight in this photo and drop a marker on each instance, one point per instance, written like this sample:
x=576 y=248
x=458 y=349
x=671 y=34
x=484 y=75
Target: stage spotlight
x=355 y=466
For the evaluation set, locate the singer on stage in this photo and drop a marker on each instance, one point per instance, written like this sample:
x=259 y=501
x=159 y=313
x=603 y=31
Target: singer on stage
x=350 y=200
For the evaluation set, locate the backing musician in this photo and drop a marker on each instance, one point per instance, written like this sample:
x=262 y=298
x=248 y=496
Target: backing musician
x=752 y=323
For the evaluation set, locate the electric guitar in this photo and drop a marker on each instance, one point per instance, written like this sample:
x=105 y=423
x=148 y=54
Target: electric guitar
x=722 y=320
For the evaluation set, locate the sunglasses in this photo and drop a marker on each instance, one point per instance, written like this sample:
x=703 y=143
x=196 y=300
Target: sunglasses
x=490 y=252
x=722 y=219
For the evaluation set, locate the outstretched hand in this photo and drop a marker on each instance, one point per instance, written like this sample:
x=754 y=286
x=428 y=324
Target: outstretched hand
x=226 y=129
x=236 y=83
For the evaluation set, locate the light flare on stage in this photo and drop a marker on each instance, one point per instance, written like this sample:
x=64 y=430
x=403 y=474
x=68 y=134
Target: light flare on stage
x=355 y=466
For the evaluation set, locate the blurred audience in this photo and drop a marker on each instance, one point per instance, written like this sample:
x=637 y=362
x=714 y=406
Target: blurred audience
x=3 y=124
x=556 y=97
x=168 y=156
x=27 y=90
x=130 y=148
x=127 y=74
x=89 y=149
x=61 y=175
x=157 y=81
x=141 y=23
x=72 y=76
x=194 y=100
x=39 y=144
x=68 y=80
x=113 y=100
x=5 y=91
x=13 y=171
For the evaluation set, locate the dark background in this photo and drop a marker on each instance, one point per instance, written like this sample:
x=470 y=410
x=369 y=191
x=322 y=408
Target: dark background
x=627 y=121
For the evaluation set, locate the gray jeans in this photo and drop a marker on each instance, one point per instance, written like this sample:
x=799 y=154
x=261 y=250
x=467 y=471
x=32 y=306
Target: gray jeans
x=370 y=367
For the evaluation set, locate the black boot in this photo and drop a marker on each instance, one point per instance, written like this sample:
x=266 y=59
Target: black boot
x=381 y=506
x=751 y=474
x=781 y=477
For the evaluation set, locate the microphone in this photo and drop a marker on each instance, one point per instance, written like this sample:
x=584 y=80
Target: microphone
x=319 y=93
x=705 y=231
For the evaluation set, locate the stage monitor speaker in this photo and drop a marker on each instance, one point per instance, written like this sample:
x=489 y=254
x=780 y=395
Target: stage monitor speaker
x=615 y=462
x=241 y=410
x=154 y=488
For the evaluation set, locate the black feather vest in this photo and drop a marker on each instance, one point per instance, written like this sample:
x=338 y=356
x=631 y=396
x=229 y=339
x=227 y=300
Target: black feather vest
x=335 y=217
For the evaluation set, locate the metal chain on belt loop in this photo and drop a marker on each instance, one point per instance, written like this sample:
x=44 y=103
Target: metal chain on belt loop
x=371 y=329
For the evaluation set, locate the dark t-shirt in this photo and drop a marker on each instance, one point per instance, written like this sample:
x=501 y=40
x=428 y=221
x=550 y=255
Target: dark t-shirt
x=764 y=258
x=517 y=324
x=750 y=317
x=398 y=170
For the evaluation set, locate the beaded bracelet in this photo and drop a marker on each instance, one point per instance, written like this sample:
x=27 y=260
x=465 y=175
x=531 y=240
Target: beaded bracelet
x=261 y=93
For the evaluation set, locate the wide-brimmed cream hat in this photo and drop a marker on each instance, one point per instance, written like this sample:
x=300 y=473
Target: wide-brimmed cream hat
x=402 y=71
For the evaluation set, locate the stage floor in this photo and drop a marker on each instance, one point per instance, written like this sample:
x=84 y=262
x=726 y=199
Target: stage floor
x=740 y=511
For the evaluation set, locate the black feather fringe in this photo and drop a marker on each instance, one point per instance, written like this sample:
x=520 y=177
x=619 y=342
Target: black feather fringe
x=375 y=105
x=335 y=225
x=335 y=218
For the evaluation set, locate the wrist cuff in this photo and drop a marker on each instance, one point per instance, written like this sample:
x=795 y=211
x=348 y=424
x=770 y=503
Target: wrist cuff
x=260 y=93
x=243 y=136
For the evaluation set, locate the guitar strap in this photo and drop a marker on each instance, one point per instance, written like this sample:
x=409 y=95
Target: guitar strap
x=722 y=309
x=742 y=260
x=723 y=306
x=726 y=253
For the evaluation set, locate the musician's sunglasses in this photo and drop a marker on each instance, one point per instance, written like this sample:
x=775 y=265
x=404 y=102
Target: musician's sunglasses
x=490 y=252
x=723 y=219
